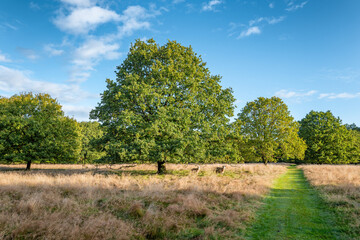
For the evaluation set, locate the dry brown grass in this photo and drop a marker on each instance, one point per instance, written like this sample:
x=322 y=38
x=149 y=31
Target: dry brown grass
x=340 y=187
x=75 y=202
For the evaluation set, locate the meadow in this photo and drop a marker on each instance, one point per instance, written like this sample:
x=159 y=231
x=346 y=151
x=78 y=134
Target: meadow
x=131 y=201
x=339 y=186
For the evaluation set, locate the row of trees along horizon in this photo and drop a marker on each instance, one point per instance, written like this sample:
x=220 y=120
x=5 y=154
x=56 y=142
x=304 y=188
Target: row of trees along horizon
x=165 y=106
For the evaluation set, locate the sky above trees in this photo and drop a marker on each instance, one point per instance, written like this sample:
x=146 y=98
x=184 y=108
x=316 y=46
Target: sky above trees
x=305 y=52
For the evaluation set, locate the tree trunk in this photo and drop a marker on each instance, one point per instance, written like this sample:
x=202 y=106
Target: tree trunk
x=264 y=160
x=28 y=165
x=161 y=167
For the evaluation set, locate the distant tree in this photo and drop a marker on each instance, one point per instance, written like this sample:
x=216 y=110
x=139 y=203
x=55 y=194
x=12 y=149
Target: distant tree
x=352 y=127
x=90 y=135
x=269 y=131
x=164 y=106
x=33 y=128
x=328 y=140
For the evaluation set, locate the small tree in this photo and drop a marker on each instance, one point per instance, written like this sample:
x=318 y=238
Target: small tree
x=164 y=106
x=328 y=140
x=271 y=133
x=33 y=128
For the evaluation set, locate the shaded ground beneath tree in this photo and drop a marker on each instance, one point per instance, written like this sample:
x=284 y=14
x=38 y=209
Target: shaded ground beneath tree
x=294 y=210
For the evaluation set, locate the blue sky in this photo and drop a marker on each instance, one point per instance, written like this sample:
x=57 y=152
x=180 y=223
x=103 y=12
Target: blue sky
x=306 y=52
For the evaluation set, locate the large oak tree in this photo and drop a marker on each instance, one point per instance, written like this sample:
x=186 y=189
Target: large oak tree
x=163 y=106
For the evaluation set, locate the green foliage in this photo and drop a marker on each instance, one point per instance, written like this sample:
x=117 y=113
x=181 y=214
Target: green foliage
x=33 y=128
x=269 y=130
x=164 y=106
x=91 y=150
x=328 y=140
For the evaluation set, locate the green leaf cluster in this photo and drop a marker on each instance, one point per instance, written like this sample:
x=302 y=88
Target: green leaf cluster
x=328 y=140
x=33 y=128
x=91 y=149
x=270 y=132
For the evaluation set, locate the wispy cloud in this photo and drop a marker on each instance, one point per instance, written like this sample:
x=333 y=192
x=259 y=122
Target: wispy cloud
x=249 y=31
x=210 y=6
x=292 y=6
x=292 y=94
x=34 y=6
x=28 y=53
x=8 y=25
x=178 y=1
x=4 y=58
x=14 y=81
x=343 y=95
x=52 y=50
x=89 y=54
x=271 y=5
x=254 y=26
x=272 y=20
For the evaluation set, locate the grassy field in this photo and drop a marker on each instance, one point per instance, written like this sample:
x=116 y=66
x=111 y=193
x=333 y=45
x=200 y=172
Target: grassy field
x=131 y=202
x=340 y=188
x=294 y=210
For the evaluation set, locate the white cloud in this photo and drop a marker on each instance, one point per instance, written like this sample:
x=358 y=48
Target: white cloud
x=81 y=113
x=3 y=58
x=291 y=94
x=210 y=6
x=83 y=20
x=293 y=7
x=51 y=49
x=89 y=54
x=134 y=18
x=84 y=16
x=339 y=95
x=271 y=5
x=249 y=31
x=15 y=81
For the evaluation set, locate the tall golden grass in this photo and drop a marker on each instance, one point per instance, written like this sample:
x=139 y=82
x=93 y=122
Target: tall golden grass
x=130 y=202
x=340 y=187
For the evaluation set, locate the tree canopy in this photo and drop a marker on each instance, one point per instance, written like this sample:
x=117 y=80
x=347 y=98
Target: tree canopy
x=33 y=128
x=163 y=106
x=328 y=140
x=270 y=131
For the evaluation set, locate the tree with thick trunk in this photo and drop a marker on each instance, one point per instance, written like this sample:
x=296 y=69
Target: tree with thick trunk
x=164 y=106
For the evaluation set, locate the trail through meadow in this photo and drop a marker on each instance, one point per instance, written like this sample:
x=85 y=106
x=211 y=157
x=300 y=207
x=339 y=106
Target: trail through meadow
x=294 y=210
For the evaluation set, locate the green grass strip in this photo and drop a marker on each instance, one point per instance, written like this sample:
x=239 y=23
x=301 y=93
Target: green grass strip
x=294 y=210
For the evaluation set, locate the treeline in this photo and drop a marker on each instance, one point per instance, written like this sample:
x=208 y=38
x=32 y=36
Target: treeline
x=165 y=106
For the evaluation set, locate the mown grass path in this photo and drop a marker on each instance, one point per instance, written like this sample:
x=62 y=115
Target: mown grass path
x=293 y=210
